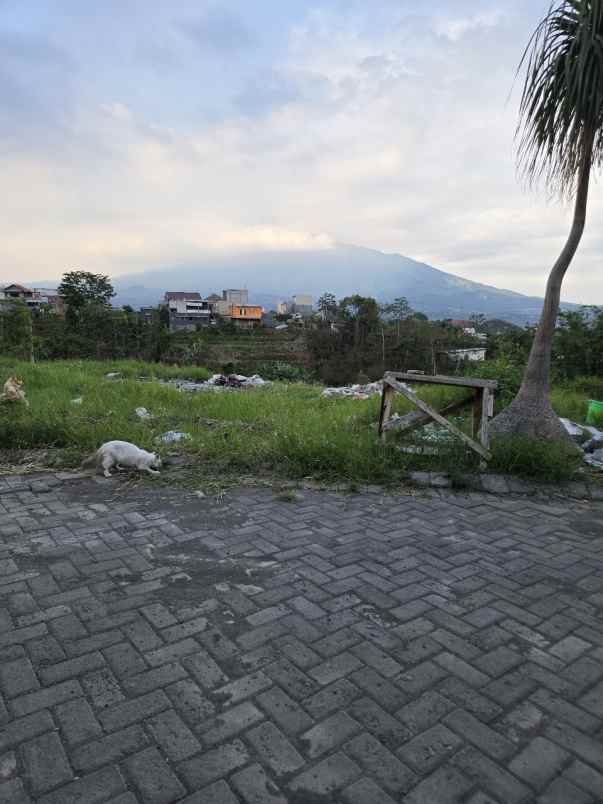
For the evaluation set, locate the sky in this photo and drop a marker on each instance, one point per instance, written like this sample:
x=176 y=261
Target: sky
x=136 y=135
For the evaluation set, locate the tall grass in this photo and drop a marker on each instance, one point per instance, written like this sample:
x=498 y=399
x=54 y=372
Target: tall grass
x=283 y=429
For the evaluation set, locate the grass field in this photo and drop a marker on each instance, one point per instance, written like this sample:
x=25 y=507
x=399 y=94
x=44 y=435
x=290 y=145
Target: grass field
x=285 y=430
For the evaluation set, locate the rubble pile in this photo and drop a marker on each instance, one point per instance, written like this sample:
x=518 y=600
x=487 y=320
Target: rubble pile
x=221 y=382
x=355 y=391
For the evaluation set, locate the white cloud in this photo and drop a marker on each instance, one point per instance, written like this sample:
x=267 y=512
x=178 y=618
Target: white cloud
x=379 y=127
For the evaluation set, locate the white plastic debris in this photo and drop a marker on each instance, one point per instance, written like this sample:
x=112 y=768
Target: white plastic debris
x=113 y=375
x=143 y=414
x=355 y=391
x=574 y=430
x=595 y=459
x=78 y=400
x=221 y=382
x=173 y=437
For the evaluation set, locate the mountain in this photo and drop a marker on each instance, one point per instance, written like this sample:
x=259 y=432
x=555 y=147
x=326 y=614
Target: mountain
x=342 y=270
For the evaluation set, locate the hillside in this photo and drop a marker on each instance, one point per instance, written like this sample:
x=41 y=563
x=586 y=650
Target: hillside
x=343 y=270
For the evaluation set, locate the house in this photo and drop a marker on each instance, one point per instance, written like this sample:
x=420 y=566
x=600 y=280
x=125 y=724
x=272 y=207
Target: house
x=475 y=354
x=301 y=304
x=230 y=297
x=246 y=316
x=188 y=310
x=34 y=298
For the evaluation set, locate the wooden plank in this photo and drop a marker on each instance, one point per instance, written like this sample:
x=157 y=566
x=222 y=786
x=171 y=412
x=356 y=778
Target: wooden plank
x=477 y=414
x=484 y=436
x=387 y=399
x=465 y=382
x=417 y=418
x=419 y=403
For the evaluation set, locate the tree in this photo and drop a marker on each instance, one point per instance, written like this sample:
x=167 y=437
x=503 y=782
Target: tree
x=82 y=289
x=398 y=310
x=327 y=303
x=560 y=137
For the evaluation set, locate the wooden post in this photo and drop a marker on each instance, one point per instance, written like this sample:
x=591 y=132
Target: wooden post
x=484 y=435
x=477 y=413
x=386 y=408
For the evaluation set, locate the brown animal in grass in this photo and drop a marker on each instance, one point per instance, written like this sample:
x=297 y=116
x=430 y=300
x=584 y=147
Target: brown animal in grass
x=13 y=391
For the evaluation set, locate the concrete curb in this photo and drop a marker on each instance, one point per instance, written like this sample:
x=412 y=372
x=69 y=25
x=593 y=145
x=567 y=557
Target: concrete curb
x=503 y=484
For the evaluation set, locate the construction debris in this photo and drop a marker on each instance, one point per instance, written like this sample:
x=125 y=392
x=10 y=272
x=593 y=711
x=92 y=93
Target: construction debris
x=221 y=382
x=355 y=391
x=173 y=437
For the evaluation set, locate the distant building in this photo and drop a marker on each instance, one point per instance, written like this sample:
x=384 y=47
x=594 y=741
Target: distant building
x=230 y=297
x=246 y=315
x=149 y=314
x=301 y=304
x=188 y=310
x=34 y=298
x=472 y=355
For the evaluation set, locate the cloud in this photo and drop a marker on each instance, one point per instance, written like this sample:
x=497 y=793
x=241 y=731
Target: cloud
x=378 y=126
x=220 y=31
x=36 y=88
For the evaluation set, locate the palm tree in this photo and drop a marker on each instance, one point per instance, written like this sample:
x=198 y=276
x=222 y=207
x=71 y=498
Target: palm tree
x=560 y=138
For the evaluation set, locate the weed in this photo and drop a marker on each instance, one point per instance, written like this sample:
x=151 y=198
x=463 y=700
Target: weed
x=287 y=495
x=285 y=429
x=547 y=461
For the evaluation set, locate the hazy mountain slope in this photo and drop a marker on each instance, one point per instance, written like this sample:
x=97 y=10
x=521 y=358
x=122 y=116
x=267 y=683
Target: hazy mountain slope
x=342 y=270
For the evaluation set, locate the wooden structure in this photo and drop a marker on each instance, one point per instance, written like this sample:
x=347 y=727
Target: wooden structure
x=481 y=399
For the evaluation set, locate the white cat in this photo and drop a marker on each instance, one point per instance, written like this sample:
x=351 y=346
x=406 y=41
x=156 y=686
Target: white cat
x=122 y=454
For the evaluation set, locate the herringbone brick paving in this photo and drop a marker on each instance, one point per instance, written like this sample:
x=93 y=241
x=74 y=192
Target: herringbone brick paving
x=157 y=647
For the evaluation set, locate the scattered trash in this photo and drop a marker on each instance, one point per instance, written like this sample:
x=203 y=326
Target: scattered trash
x=143 y=414
x=593 y=448
x=595 y=459
x=221 y=382
x=78 y=400
x=113 y=375
x=173 y=437
x=595 y=443
x=355 y=391
x=574 y=430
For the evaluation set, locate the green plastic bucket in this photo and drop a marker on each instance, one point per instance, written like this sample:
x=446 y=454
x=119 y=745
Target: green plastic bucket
x=595 y=412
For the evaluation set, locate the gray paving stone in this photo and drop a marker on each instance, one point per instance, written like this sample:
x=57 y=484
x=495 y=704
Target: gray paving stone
x=45 y=762
x=365 y=791
x=102 y=785
x=175 y=738
x=77 y=721
x=109 y=749
x=375 y=758
x=328 y=734
x=275 y=749
x=419 y=626
x=153 y=778
x=218 y=793
x=214 y=764
x=329 y=775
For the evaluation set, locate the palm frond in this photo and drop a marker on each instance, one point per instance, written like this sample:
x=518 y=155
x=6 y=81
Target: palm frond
x=561 y=109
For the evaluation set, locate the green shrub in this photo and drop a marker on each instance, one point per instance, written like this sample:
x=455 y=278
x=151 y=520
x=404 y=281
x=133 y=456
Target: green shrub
x=279 y=370
x=547 y=461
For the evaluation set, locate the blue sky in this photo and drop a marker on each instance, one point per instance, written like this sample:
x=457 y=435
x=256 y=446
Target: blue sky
x=137 y=134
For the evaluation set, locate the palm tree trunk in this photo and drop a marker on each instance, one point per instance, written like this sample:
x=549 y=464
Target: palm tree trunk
x=530 y=413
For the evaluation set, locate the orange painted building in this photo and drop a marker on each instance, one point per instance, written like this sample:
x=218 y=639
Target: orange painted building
x=246 y=315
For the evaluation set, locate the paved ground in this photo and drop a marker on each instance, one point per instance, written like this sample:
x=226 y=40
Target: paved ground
x=158 y=647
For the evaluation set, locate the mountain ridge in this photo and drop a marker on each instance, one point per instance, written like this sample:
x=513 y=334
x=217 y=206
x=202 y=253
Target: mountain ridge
x=342 y=270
